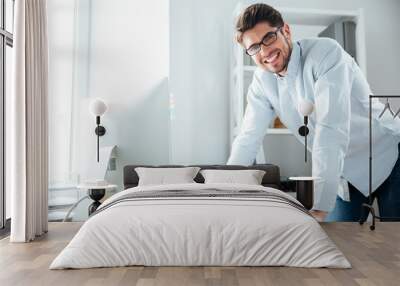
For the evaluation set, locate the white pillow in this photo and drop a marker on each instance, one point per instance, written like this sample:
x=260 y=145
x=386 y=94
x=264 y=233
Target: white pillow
x=165 y=176
x=248 y=177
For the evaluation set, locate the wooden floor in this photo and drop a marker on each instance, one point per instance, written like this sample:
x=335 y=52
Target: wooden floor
x=375 y=257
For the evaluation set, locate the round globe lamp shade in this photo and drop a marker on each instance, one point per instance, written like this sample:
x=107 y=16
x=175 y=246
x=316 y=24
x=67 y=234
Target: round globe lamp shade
x=98 y=107
x=305 y=107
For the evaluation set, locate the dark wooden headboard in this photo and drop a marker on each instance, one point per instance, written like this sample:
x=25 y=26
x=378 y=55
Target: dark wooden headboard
x=270 y=179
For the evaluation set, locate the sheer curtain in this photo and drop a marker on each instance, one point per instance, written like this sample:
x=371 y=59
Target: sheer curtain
x=28 y=122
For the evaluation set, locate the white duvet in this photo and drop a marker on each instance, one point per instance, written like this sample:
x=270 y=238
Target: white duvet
x=200 y=231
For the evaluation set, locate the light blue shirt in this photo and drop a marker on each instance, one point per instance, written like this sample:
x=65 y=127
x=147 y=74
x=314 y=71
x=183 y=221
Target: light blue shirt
x=320 y=71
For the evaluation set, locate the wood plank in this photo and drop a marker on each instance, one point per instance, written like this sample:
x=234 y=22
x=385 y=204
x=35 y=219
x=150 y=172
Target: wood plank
x=375 y=257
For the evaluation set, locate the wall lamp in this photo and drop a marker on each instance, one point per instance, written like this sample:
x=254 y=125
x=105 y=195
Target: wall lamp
x=98 y=108
x=305 y=108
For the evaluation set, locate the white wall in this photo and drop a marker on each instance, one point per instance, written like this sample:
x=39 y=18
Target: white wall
x=61 y=31
x=128 y=69
x=200 y=43
x=199 y=77
x=121 y=56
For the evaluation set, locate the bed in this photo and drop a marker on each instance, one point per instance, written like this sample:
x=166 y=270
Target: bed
x=201 y=224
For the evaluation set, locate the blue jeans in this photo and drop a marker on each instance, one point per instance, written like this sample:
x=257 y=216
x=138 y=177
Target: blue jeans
x=387 y=194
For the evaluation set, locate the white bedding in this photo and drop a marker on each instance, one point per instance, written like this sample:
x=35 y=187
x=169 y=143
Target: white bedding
x=200 y=231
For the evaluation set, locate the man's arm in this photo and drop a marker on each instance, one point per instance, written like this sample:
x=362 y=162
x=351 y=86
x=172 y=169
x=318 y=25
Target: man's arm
x=332 y=108
x=259 y=114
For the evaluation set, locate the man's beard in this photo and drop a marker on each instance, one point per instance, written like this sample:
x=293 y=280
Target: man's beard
x=287 y=59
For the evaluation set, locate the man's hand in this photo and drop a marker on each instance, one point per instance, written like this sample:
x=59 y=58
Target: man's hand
x=318 y=215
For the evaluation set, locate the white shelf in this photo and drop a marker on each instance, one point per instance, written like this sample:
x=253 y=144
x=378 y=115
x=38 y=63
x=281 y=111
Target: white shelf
x=315 y=16
x=279 y=131
x=249 y=68
x=238 y=71
x=275 y=131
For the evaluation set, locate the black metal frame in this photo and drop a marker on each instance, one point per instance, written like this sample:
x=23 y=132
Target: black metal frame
x=368 y=205
x=303 y=131
x=100 y=131
x=6 y=39
x=275 y=33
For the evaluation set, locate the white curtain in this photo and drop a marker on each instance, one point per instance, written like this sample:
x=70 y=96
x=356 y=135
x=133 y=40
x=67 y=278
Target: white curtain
x=28 y=122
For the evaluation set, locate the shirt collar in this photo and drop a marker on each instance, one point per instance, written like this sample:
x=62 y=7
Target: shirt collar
x=294 y=62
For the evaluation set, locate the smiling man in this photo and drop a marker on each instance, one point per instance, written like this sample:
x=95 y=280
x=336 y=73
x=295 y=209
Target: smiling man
x=318 y=70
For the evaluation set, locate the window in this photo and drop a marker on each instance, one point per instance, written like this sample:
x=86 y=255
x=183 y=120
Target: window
x=6 y=44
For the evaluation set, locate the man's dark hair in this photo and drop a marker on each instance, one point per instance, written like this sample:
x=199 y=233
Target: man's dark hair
x=255 y=14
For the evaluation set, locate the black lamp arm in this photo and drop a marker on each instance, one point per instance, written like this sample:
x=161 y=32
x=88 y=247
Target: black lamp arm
x=303 y=131
x=100 y=131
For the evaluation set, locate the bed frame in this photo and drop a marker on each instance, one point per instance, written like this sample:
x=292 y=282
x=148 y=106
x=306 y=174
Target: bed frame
x=270 y=179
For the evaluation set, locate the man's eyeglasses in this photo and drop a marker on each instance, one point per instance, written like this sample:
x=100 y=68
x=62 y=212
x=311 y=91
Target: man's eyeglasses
x=268 y=40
